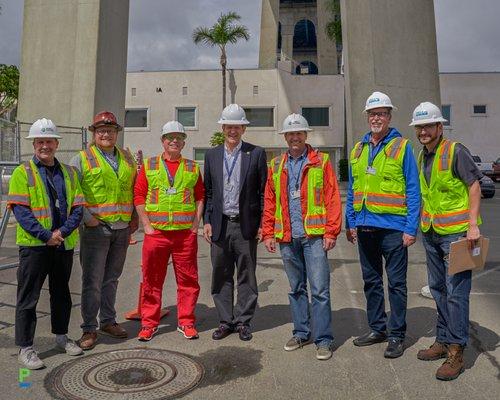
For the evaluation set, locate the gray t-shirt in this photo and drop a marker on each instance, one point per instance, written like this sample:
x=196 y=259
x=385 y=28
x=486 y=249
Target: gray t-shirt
x=463 y=166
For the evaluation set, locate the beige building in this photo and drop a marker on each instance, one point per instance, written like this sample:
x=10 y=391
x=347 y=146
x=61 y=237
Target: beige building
x=471 y=103
x=267 y=95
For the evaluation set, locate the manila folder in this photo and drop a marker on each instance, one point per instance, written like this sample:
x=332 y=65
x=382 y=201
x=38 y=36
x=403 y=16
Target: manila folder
x=463 y=259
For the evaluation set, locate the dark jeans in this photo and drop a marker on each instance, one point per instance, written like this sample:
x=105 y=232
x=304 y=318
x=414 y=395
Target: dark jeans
x=35 y=263
x=376 y=245
x=451 y=293
x=231 y=251
x=102 y=256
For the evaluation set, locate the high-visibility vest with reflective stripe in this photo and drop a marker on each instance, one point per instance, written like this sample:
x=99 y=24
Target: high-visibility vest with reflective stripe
x=384 y=190
x=445 y=201
x=27 y=188
x=315 y=217
x=109 y=195
x=172 y=209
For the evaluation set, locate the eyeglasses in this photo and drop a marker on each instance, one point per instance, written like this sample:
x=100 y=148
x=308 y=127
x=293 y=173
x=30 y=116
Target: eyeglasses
x=172 y=136
x=427 y=127
x=102 y=132
x=380 y=114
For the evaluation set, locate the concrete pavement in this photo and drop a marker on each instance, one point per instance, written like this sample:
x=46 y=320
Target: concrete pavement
x=261 y=369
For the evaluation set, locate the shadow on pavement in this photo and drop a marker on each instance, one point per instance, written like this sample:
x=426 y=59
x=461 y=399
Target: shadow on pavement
x=227 y=363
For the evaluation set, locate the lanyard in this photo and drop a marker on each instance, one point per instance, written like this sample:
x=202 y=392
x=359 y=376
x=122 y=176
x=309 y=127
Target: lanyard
x=170 y=177
x=296 y=176
x=230 y=170
x=110 y=161
x=50 y=181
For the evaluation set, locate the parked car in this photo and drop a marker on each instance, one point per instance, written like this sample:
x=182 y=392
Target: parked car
x=485 y=168
x=496 y=170
x=487 y=187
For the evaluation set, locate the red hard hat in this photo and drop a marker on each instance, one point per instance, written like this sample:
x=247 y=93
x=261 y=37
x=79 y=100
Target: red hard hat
x=104 y=118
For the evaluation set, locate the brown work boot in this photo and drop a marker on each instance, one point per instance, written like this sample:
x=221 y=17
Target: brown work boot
x=454 y=364
x=435 y=352
x=87 y=341
x=114 y=330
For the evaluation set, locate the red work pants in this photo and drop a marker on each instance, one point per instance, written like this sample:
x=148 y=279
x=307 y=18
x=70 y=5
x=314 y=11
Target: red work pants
x=156 y=251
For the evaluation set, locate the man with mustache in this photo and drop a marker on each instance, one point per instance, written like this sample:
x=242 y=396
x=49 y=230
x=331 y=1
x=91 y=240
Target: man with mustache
x=382 y=211
x=451 y=194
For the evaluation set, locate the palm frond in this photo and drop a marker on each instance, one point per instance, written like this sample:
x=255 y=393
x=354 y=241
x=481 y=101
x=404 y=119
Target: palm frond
x=205 y=36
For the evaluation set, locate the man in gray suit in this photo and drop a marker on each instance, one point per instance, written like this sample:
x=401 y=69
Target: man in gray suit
x=235 y=178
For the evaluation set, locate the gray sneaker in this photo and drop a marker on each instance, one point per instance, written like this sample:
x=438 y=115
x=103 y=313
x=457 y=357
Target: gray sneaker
x=29 y=359
x=296 y=343
x=69 y=347
x=324 y=352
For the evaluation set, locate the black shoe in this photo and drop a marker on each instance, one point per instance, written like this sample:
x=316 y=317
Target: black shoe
x=394 y=349
x=370 y=338
x=221 y=332
x=244 y=333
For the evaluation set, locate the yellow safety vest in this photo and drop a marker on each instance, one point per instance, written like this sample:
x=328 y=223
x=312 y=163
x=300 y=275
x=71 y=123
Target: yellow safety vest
x=315 y=218
x=27 y=188
x=171 y=208
x=381 y=188
x=109 y=195
x=445 y=201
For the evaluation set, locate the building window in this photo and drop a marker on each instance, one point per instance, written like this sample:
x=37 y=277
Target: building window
x=134 y=90
x=260 y=116
x=136 y=118
x=184 y=90
x=446 y=111
x=186 y=116
x=199 y=154
x=479 y=109
x=304 y=36
x=306 y=68
x=317 y=116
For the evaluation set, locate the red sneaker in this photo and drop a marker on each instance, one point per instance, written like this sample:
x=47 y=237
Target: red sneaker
x=189 y=331
x=146 y=333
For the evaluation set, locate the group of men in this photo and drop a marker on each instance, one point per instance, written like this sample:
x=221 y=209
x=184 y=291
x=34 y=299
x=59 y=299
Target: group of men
x=292 y=201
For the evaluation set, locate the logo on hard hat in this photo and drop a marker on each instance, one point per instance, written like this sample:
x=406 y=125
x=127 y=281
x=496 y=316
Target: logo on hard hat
x=421 y=113
x=376 y=99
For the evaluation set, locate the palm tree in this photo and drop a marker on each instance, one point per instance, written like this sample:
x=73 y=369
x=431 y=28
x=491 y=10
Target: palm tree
x=222 y=33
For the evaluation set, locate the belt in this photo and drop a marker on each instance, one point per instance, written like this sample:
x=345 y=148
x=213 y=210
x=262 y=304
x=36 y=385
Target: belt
x=232 y=218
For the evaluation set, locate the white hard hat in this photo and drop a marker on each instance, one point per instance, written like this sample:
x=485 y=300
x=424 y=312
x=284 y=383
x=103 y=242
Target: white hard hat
x=427 y=113
x=43 y=128
x=173 y=127
x=233 y=114
x=295 y=123
x=378 y=99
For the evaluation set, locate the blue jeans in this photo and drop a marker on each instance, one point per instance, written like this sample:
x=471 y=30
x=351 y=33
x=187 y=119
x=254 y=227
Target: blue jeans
x=376 y=245
x=451 y=293
x=304 y=258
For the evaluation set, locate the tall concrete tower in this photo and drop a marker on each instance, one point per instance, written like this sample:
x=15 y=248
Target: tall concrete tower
x=73 y=62
x=296 y=31
x=389 y=46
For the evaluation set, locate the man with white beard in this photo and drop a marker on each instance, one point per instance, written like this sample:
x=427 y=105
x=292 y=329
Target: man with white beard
x=382 y=215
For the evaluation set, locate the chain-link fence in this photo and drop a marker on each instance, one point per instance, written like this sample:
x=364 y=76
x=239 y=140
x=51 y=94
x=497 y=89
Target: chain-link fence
x=73 y=140
x=9 y=142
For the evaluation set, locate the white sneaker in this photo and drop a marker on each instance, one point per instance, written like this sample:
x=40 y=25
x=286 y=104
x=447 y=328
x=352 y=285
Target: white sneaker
x=29 y=359
x=426 y=292
x=69 y=347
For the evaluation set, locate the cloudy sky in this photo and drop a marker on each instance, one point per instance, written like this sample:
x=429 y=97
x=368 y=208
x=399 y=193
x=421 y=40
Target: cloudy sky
x=468 y=34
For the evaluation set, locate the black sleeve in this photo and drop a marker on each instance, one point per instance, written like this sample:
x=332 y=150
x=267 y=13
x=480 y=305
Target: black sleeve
x=262 y=177
x=464 y=167
x=207 y=181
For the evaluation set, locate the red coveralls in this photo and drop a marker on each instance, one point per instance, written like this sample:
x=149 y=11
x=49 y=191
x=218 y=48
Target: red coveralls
x=157 y=248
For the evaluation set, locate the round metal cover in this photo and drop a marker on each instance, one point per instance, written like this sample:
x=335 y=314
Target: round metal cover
x=152 y=374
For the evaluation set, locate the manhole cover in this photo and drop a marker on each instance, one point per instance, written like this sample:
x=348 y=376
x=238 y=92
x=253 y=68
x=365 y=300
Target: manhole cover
x=151 y=374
